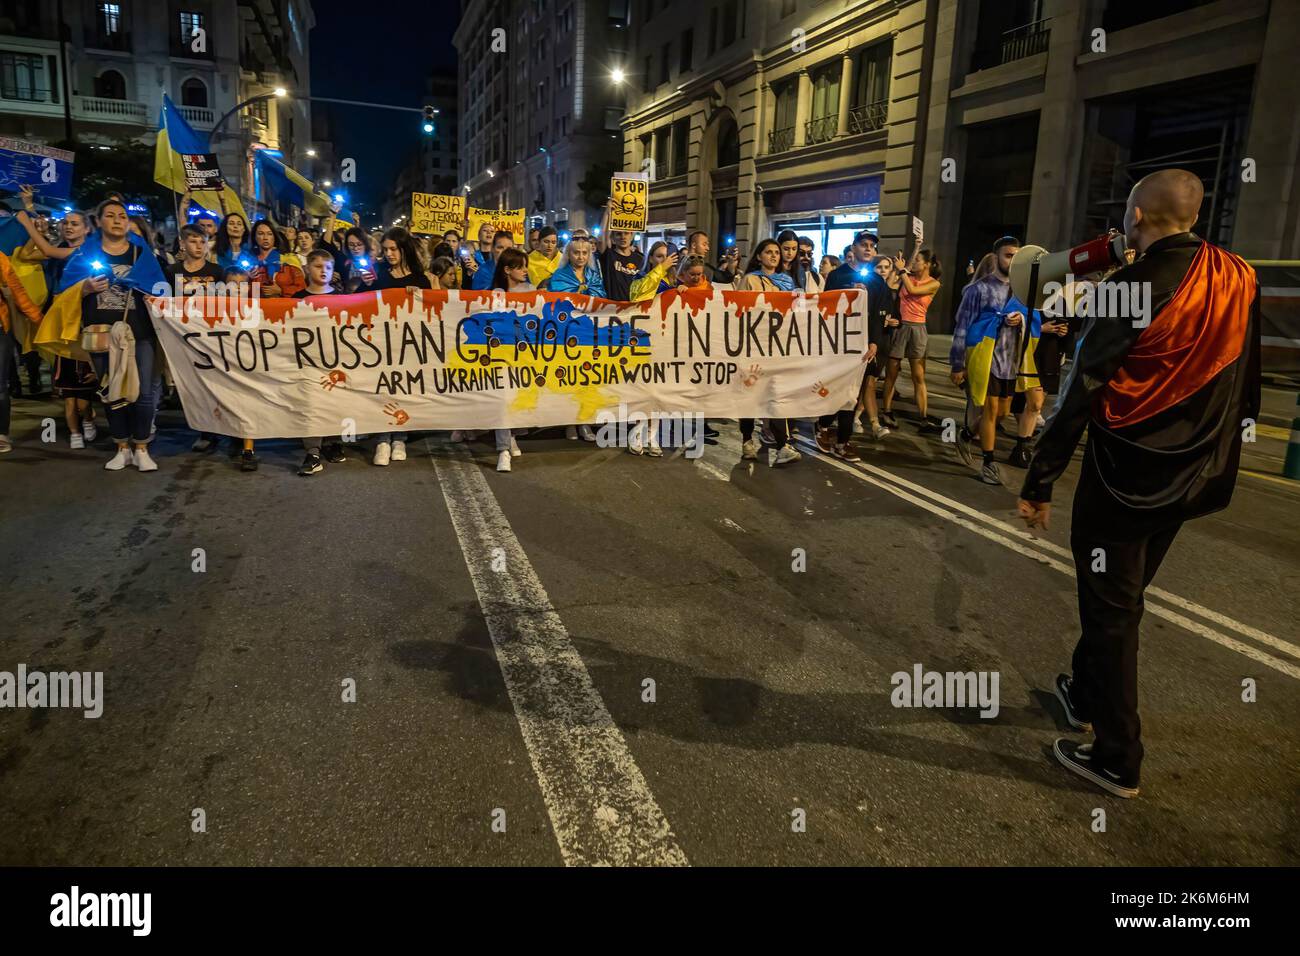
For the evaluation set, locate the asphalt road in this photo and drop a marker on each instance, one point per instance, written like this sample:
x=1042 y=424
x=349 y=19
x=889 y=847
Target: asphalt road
x=500 y=631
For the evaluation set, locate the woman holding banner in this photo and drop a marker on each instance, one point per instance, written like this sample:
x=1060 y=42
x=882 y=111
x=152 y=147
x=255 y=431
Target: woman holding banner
x=511 y=276
x=763 y=275
x=400 y=268
x=577 y=275
x=232 y=243
x=278 y=278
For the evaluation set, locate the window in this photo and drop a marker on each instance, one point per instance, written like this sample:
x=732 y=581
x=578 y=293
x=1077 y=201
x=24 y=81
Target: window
x=613 y=118
x=566 y=74
x=618 y=13
x=110 y=85
x=665 y=63
x=648 y=83
x=681 y=143
x=191 y=26
x=22 y=77
x=661 y=151
x=781 y=137
x=194 y=93
x=869 y=100
x=728 y=142
x=110 y=19
x=730 y=20
x=687 y=50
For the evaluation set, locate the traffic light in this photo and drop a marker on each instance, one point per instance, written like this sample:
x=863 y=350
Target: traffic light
x=428 y=120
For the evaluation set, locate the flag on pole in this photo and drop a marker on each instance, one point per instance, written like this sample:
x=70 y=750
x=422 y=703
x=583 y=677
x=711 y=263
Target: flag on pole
x=289 y=185
x=183 y=160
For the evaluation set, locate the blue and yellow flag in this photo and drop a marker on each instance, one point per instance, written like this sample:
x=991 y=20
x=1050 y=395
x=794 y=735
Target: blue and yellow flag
x=176 y=138
x=290 y=186
x=30 y=272
x=982 y=340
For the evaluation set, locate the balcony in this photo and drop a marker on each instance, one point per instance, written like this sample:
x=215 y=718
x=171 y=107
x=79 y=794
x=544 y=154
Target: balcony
x=119 y=40
x=104 y=110
x=820 y=130
x=780 y=140
x=199 y=115
x=869 y=117
x=1025 y=41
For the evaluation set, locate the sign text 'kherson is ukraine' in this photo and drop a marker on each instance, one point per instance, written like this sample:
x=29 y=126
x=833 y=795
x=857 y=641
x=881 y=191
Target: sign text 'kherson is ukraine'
x=407 y=360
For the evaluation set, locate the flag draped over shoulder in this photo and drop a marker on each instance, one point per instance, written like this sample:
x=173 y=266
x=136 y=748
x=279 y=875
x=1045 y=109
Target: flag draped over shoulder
x=29 y=272
x=60 y=331
x=177 y=138
x=982 y=340
x=290 y=186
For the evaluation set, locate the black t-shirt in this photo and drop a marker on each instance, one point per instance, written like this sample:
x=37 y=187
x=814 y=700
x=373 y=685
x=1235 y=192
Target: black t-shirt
x=204 y=276
x=844 y=276
x=618 y=271
x=384 y=279
x=118 y=302
x=304 y=293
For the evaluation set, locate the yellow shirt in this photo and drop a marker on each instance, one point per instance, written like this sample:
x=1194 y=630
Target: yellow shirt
x=540 y=267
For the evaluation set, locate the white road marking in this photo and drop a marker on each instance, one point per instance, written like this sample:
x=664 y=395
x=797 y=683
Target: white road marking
x=1023 y=543
x=711 y=470
x=601 y=809
x=1025 y=536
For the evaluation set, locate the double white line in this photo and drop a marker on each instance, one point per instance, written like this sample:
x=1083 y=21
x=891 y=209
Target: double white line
x=1046 y=552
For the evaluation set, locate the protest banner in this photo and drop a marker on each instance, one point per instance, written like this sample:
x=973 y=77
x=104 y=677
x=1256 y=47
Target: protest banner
x=46 y=169
x=398 y=360
x=629 y=202
x=432 y=214
x=501 y=220
x=201 y=171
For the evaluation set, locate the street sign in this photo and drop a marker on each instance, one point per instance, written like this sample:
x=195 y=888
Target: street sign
x=433 y=215
x=629 y=201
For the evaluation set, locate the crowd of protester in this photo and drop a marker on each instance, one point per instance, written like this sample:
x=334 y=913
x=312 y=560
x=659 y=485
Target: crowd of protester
x=305 y=261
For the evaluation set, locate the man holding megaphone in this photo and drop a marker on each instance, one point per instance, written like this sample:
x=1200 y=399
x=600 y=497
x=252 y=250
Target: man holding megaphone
x=1163 y=393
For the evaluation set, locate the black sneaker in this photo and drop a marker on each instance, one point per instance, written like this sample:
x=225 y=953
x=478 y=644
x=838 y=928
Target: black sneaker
x=1020 y=456
x=1063 y=688
x=248 y=461
x=311 y=465
x=927 y=426
x=1077 y=758
x=333 y=453
x=887 y=419
x=964 y=441
x=990 y=475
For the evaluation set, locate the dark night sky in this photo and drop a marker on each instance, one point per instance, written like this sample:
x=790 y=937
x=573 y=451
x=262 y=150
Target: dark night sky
x=380 y=53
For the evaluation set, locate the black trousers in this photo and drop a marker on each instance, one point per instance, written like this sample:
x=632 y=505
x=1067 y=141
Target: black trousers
x=780 y=430
x=1112 y=578
x=841 y=421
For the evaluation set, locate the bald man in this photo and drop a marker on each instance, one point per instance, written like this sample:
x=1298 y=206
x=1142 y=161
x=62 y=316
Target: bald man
x=1164 y=405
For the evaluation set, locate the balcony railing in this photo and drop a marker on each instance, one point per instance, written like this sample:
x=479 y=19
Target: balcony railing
x=199 y=115
x=821 y=130
x=868 y=117
x=112 y=111
x=98 y=40
x=1025 y=41
x=779 y=140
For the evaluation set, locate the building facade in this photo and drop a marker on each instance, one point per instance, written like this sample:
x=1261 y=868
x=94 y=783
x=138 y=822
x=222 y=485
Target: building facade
x=960 y=120
x=121 y=57
x=539 y=109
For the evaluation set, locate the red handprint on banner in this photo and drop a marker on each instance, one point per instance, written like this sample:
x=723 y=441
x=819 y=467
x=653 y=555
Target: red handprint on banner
x=398 y=416
x=332 y=379
x=749 y=380
x=821 y=390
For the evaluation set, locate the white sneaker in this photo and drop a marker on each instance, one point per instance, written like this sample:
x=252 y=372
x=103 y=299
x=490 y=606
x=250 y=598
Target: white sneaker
x=586 y=433
x=858 y=427
x=399 y=451
x=76 y=441
x=571 y=432
x=119 y=461
x=514 y=447
x=6 y=445
x=457 y=436
x=787 y=454
x=89 y=430
x=503 y=461
x=878 y=431
x=383 y=453
x=655 y=451
x=143 y=461
x=634 y=443
x=749 y=450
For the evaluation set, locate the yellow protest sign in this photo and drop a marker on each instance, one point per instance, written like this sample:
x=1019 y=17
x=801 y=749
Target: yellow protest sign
x=501 y=220
x=433 y=215
x=629 y=202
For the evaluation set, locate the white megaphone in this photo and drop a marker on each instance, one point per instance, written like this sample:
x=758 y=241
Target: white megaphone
x=1034 y=267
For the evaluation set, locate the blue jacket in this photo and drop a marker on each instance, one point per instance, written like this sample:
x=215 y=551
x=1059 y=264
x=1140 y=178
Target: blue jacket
x=564 y=279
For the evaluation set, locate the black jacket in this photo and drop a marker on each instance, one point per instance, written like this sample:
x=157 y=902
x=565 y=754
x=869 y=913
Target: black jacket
x=1177 y=464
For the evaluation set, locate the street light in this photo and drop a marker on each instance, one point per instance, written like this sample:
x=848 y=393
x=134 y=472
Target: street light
x=311 y=153
x=278 y=92
x=618 y=76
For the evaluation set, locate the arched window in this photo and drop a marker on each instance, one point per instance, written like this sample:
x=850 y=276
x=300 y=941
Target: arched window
x=110 y=85
x=194 y=93
x=728 y=142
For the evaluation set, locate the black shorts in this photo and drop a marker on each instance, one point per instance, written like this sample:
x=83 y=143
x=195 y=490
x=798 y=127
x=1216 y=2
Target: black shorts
x=1001 y=387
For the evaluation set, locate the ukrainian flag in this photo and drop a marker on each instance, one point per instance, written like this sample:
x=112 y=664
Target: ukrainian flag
x=289 y=185
x=177 y=138
x=30 y=273
x=982 y=339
